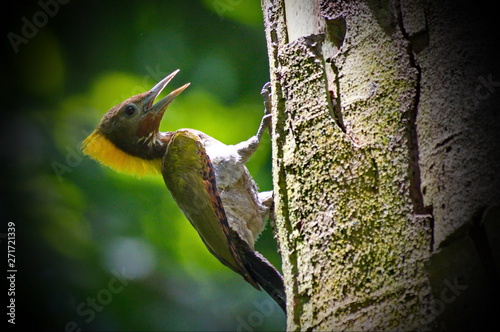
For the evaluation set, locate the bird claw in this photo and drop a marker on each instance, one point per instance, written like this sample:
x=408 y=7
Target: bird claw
x=266 y=119
x=266 y=95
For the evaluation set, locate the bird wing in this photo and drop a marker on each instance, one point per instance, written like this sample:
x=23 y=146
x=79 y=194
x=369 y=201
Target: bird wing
x=190 y=178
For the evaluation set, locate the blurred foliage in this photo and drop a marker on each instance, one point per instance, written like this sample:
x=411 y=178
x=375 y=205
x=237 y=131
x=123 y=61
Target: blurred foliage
x=98 y=250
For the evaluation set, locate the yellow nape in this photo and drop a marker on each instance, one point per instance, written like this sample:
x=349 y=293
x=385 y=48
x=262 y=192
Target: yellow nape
x=103 y=150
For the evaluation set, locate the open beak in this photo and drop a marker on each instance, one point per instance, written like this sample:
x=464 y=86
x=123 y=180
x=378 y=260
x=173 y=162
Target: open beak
x=153 y=113
x=159 y=108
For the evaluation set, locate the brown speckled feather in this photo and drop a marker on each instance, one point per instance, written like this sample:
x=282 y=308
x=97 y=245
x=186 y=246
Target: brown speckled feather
x=190 y=178
x=208 y=175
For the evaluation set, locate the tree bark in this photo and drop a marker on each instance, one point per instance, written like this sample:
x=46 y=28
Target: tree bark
x=385 y=163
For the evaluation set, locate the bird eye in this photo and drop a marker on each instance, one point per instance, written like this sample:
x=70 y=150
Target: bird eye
x=129 y=110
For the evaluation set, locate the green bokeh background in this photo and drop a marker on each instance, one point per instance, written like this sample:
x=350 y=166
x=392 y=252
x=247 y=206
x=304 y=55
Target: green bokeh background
x=99 y=250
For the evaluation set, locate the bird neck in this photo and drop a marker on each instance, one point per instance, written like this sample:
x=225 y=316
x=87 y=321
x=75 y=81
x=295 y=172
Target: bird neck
x=145 y=159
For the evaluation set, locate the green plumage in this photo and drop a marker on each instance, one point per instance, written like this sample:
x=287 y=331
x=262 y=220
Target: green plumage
x=190 y=178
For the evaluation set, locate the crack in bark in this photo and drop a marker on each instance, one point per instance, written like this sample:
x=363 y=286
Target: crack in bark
x=416 y=193
x=335 y=30
x=413 y=148
x=335 y=102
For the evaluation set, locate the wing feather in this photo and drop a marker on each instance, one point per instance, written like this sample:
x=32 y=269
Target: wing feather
x=190 y=178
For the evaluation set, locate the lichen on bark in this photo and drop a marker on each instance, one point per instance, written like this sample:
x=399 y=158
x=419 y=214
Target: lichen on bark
x=385 y=162
x=348 y=231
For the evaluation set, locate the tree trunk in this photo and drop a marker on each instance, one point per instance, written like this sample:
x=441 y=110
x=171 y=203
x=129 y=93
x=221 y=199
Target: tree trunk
x=385 y=163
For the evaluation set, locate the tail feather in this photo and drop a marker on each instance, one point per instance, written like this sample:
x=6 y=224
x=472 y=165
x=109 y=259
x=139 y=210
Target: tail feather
x=259 y=271
x=266 y=276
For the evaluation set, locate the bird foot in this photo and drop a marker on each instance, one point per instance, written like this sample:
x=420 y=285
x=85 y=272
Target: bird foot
x=266 y=119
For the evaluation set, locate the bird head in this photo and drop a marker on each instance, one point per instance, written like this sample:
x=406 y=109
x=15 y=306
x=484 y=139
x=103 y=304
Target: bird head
x=127 y=138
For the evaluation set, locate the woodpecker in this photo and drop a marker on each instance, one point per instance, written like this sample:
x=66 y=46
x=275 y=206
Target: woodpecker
x=207 y=179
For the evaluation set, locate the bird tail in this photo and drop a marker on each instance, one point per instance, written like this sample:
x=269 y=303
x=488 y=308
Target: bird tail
x=262 y=271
